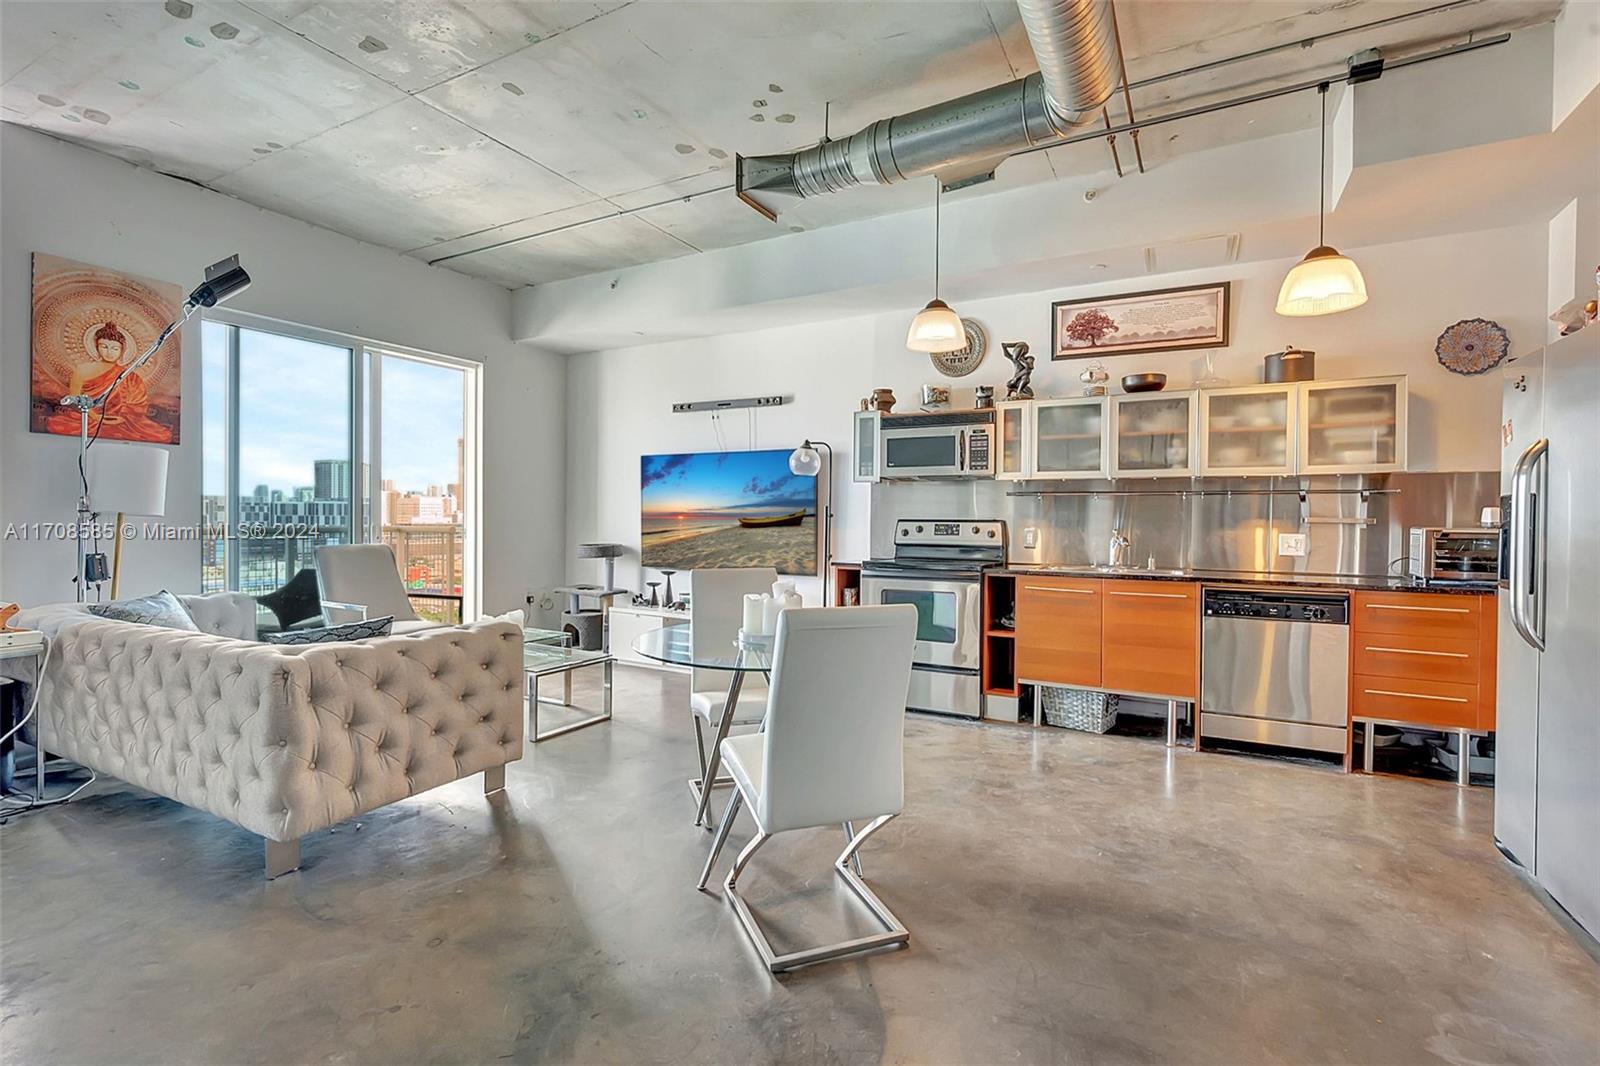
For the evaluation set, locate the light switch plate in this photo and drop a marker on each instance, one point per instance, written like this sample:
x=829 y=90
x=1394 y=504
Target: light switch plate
x=1030 y=537
x=1292 y=544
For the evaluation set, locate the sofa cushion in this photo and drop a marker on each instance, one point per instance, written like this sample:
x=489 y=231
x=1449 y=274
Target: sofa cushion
x=345 y=631
x=163 y=609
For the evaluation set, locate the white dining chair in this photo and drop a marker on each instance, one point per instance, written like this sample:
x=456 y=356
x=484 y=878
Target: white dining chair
x=715 y=613
x=830 y=753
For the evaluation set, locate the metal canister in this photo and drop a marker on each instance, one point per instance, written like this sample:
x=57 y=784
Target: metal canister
x=1291 y=364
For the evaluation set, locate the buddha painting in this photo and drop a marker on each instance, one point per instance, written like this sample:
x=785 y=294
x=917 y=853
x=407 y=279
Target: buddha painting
x=89 y=325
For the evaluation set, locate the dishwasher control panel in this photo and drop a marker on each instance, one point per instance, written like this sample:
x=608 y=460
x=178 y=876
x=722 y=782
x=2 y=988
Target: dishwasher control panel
x=1277 y=606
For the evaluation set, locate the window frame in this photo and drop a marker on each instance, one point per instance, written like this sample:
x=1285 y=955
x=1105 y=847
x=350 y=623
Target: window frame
x=366 y=435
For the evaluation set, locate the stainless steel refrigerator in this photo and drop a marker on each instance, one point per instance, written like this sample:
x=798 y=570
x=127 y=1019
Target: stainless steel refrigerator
x=1547 y=737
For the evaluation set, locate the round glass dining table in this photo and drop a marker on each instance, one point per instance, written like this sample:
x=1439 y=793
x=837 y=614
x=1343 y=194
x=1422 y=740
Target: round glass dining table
x=675 y=645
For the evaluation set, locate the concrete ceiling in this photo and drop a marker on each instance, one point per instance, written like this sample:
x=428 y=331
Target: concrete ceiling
x=436 y=128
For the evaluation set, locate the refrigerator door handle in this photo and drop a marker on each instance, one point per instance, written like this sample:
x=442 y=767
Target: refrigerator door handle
x=1526 y=529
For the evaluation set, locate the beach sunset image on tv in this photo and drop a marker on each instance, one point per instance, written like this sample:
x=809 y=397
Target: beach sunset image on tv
x=719 y=509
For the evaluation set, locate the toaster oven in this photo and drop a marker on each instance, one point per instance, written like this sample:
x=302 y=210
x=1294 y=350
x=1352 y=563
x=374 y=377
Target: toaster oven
x=1454 y=556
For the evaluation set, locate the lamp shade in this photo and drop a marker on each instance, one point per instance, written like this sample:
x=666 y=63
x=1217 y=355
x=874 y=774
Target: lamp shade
x=128 y=478
x=805 y=461
x=1322 y=283
x=936 y=329
x=599 y=551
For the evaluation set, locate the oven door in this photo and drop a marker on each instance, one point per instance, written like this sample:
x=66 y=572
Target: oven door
x=947 y=616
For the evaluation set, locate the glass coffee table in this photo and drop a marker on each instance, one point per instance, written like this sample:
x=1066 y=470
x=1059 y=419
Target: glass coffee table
x=543 y=659
x=675 y=645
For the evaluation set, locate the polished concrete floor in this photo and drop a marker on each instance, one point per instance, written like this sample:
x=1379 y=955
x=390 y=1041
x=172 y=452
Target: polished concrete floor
x=1071 y=899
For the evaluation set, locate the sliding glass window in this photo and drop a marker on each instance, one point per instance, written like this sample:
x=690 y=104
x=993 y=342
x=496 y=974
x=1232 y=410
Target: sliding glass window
x=314 y=439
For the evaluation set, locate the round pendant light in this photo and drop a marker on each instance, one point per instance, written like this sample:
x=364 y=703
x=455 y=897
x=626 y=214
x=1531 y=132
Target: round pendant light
x=1324 y=282
x=936 y=328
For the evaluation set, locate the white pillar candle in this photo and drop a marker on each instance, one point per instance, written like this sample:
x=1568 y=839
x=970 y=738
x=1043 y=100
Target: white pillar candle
x=752 y=614
x=769 y=620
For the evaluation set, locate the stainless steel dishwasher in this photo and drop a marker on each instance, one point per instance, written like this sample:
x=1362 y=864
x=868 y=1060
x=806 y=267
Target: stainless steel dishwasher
x=1275 y=667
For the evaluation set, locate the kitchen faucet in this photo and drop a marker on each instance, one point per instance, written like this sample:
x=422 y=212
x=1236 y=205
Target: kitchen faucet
x=1117 y=546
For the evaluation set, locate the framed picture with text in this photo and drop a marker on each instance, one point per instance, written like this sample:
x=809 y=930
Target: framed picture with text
x=1195 y=316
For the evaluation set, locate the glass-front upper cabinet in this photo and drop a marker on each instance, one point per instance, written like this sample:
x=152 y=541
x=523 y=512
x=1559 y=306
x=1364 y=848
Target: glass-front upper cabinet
x=864 y=438
x=1011 y=422
x=1070 y=438
x=1248 y=430
x=1153 y=434
x=1353 y=427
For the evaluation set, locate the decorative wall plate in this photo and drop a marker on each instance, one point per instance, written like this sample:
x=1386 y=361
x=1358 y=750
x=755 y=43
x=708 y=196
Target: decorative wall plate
x=963 y=361
x=1472 y=346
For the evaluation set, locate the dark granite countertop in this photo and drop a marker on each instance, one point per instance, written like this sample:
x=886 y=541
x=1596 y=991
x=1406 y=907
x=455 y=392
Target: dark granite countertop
x=1254 y=578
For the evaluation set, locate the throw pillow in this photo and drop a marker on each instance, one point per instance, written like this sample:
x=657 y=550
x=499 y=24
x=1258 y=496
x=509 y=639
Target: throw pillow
x=163 y=609
x=371 y=627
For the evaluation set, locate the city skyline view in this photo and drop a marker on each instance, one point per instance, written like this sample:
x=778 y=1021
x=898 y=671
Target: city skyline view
x=284 y=431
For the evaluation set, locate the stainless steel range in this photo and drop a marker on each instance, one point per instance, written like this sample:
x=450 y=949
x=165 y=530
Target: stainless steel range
x=938 y=567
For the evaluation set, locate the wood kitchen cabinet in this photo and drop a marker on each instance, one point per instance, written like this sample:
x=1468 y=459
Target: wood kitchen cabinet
x=1423 y=658
x=1058 y=630
x=1150 y=639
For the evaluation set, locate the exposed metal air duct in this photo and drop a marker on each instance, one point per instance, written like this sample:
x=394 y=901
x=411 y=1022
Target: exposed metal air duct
x=1075 y=42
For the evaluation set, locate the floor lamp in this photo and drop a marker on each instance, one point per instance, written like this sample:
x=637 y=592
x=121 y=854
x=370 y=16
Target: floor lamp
x=804 y=461
x=224 y=280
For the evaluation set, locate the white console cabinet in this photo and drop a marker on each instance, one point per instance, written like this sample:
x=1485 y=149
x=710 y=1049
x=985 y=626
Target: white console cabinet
x=628 y=622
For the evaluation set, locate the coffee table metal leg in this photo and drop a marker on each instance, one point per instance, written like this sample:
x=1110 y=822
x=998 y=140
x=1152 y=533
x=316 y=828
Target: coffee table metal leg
x=714 y=759
x=594 y=719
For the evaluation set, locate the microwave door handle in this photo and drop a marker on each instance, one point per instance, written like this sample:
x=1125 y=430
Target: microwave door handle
x=961 y=450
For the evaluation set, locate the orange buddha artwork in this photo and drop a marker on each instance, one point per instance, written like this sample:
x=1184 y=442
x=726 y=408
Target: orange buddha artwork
x=88 y=325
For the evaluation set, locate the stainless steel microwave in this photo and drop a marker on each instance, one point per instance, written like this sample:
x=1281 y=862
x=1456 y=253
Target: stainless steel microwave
x=938 y=444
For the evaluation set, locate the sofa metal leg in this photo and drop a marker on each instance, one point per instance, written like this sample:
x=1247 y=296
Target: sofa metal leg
x=282 y=857
x=494 y=779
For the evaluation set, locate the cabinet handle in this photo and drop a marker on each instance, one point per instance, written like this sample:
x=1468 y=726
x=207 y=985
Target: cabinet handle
x=1413 y=651
x=1156 y=595
x=1051 y=588
x=1404 y=607
x=1415 y=696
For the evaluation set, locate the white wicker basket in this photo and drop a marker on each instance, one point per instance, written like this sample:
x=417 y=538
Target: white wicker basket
x=1077 y=708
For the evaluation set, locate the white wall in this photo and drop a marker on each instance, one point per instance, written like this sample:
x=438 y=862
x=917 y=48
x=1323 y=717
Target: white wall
x=76 y=203
x=620 y=399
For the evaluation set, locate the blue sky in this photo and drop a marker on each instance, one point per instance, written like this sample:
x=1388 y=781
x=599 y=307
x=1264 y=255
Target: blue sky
x=294 y=400
x=721 y=482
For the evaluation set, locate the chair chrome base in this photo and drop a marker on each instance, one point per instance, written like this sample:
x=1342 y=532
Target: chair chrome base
x=894 y=933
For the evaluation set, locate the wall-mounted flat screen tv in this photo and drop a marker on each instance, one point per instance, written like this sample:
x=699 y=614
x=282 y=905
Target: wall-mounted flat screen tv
x=707 y=510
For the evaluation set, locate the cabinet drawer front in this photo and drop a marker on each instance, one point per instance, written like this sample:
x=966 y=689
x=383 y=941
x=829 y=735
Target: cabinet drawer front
x=1151 y=634
x=1435 y=703
x=1058 y=631
x=1419 y=613
x=1411 y=655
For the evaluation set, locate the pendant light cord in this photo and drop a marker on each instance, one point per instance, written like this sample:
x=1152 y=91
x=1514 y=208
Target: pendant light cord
x=938 y=194
x=1322 y=167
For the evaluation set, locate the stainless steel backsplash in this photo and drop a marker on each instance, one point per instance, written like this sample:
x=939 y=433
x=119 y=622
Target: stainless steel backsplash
x=1205 y=524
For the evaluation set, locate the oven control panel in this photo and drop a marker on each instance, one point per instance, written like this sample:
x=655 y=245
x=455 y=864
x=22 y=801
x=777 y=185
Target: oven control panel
x=973 y=532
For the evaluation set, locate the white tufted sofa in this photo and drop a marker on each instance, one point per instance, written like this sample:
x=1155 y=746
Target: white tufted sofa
x=285 y=740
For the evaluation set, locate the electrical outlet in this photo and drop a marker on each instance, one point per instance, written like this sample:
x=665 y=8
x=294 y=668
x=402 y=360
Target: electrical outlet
x=1292 y=544
x=1030 y=537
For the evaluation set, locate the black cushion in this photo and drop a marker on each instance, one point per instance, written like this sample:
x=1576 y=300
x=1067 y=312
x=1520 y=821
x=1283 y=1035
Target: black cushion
x=296 y=601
